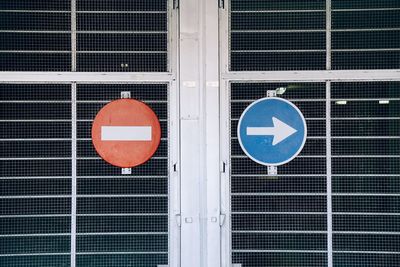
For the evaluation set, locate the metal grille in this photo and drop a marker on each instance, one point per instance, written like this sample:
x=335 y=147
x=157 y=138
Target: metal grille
x=35 y=35
x=366 y=172
x=121 y=220
x=35 y=174
x=314 y=35
x=277 y=35
x=60 y=207
x=365 y=34
x=117 y=36
x=122 y=35
x=280 y=220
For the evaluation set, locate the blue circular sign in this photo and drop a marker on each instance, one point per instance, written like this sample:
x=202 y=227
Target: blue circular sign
x=272 y=131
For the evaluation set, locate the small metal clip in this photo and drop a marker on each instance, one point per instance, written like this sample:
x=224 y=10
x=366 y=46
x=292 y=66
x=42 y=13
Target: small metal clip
x=126 y=94
x=271 y=93
x=272 y=170
x=126 y=170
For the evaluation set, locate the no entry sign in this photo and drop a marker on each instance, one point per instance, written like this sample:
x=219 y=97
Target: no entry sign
x=126 y=133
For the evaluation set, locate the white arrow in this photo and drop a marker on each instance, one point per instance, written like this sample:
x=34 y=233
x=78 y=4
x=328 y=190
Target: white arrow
x=280 y=131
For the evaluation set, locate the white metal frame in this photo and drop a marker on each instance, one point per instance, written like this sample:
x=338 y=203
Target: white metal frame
x=327 y=76
x=199 y=81
x=75 y=78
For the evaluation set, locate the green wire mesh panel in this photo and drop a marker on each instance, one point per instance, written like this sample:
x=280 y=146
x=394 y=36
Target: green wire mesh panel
x=104 y=35
x=277 y=35
x=291 y=35
x=122 y=35
x=122 y=220
x=365 y=34
x=35 y=35
x=366 y=172
x=35 y=175
x=280 y=220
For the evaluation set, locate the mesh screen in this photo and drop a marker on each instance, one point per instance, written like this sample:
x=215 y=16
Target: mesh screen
x=35 y=35
x=117 y=36
x=277 y=35
x=122 y=220
x=280 y=220
x=122 y=35
x=35 y=174
x=366 y=172
x=365 y=34
x=291 y=35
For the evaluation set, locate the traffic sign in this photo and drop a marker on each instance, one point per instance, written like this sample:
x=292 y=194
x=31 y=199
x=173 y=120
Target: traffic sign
x=272 y=131
x=126 y=133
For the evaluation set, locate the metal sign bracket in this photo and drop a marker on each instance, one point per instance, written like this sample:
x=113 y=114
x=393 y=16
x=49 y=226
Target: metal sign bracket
x=272 y=170
x=271 y=93
x=126 y=171
x=126 y=94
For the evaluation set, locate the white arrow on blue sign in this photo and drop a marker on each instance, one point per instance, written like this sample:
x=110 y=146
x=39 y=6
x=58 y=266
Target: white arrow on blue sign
x=272 y=131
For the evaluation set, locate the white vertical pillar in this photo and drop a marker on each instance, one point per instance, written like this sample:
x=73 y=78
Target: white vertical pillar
x=211 y=96
x=189 y=81
x=199 y=113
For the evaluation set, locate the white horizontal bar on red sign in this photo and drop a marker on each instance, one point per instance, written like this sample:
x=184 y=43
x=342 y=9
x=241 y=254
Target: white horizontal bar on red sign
x=126 y=133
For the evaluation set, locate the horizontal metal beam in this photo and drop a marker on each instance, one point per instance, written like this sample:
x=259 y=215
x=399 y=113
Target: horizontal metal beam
x=35 y=254
x=122 y=253
x=278 y=194
x=87 y=77
x=279 y=11
x=314 y=76
x=276 y=251
x=83 y=196
x=277 y=232
x=278 y=212
x=81 y=215
x=85 y=234
x=311 y=251
x=87 y=253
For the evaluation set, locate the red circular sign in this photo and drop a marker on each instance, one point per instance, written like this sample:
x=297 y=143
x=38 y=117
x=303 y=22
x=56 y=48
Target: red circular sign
x=126 y=133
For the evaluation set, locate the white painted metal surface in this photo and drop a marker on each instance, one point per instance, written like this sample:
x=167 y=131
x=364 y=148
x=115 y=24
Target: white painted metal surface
x=211 y=131
x=190 y=132
x=86 y=77
x=323 y=75
x=126 y=133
